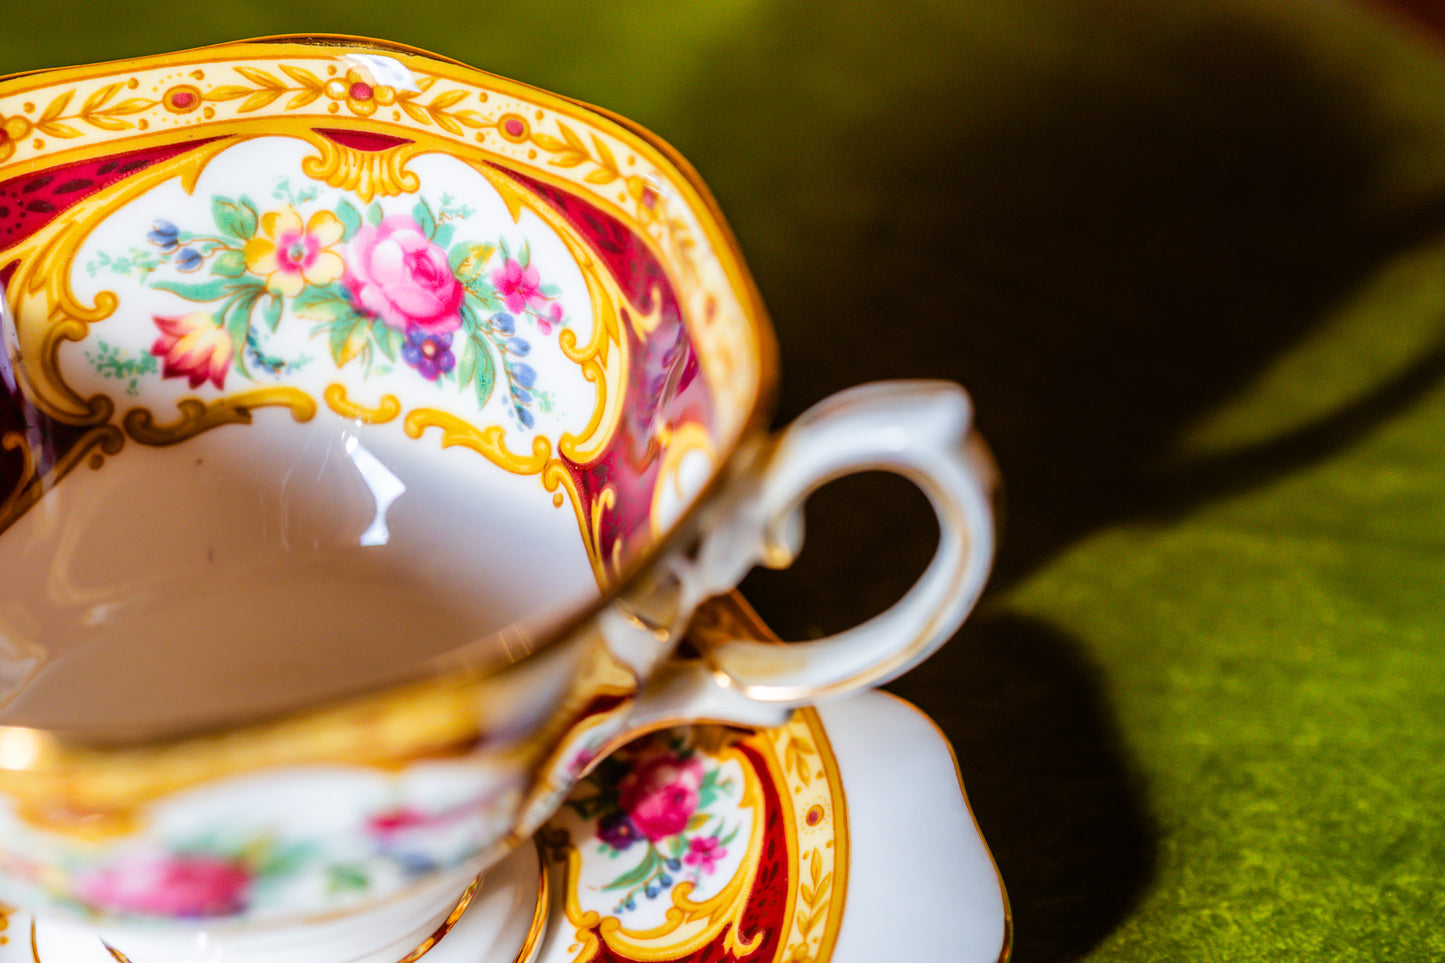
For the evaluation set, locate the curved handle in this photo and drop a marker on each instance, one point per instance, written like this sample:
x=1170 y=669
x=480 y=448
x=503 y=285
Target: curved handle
x=921 y=430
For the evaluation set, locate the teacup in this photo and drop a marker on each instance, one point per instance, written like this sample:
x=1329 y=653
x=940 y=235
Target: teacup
x=373 y=427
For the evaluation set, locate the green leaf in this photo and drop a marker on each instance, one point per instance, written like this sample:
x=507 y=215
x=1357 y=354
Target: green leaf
x=466 y=363
x=205 y=291
x=343 y=349
x=271 y=313
x=444 y=233
x=387 y=338
x=229 y=264
x=238 y=326
x=374 y=214
x=343 y=879
x=469 y=261
x=349 y=217
x=640 y=873
x=236 y=218
x=484 y=379
x=322 y=304
x=424 y=218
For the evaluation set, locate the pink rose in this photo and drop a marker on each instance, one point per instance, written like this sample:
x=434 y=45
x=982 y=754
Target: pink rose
x=659 y=795
x=173 y=886
x=397 y=273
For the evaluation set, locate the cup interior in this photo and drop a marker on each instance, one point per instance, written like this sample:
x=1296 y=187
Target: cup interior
x=325 y=360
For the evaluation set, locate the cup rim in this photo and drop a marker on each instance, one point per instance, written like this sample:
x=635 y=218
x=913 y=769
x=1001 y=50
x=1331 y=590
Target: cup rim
x=152 y=766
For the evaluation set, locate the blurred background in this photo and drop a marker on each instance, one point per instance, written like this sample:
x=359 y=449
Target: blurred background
x=1189 y=258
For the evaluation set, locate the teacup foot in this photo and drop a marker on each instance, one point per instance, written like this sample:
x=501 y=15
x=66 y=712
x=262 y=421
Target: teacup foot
x=499 y=918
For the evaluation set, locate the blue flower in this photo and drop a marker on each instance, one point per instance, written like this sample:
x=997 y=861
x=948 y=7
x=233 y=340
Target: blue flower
x=189 y=259
x=524 y=374
x=502 y=323
x=164 y=235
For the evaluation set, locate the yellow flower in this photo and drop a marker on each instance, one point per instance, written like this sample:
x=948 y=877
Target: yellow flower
x=360 y=95
x=290 y=256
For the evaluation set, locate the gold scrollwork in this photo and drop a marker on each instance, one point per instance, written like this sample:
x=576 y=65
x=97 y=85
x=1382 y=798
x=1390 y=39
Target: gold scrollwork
x=197 y=416
x=47 y=311
x=94 y=445
x=676 y=444
x=386 y=409
x=488 y=442
x=365 y=173
x=603 y=359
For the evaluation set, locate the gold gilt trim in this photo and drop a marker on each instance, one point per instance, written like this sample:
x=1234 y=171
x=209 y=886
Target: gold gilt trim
x=92 y=447
x=46 y=311
x=364 y=173
x=819 y=817
x=387 y=409
x=677 y=443
x=81 y=112
x=197 y=416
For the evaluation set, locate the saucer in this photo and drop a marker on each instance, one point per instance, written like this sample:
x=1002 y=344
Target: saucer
x=841 y=837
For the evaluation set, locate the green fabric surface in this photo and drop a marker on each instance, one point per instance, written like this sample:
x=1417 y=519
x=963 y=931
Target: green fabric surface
x=1190 y=260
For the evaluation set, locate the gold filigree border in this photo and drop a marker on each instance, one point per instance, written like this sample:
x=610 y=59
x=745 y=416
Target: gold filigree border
x=75 y=113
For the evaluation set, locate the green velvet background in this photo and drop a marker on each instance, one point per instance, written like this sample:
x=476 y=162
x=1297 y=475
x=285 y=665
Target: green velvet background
x=1190 y=259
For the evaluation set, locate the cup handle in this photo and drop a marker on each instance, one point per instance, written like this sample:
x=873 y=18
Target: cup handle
x=921 y=430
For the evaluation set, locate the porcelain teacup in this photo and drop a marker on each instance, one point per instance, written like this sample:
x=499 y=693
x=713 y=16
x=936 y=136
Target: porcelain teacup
x=372 y=428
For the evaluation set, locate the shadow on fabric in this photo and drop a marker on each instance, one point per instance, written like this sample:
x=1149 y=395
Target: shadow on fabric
x=1104 y=237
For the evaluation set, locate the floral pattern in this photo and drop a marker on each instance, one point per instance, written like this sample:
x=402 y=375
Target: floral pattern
x=663 y=806
x=185 y=885
x=238 y=872
x=380 y=289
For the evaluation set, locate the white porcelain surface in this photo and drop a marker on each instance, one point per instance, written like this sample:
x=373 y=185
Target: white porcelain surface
x=921 y=885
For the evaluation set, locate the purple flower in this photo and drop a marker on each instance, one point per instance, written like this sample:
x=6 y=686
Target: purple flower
x=429 y=352
x=617 y=831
